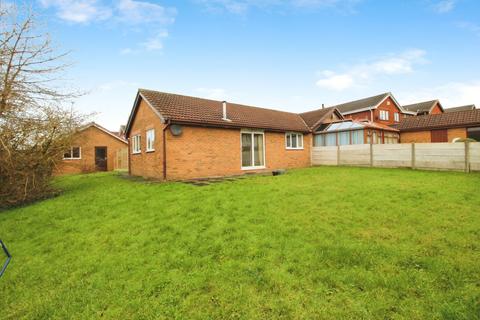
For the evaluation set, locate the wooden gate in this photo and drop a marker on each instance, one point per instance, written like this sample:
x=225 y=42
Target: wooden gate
x=439 y=136
x=121 y=159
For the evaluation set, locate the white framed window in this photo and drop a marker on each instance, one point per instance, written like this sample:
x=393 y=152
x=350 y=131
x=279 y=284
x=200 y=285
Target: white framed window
x=136 y=145
x=150 y=140
x=253 y=150
x=293 y=140
x=396 y=117
x=73 y=154
x=384 y=115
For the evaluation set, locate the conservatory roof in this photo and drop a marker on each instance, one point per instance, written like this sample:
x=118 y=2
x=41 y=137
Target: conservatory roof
x=349 y=125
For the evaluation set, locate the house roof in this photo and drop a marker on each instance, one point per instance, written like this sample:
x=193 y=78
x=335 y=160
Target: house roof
x=192 y=110
x=111 y=133
x=348 y=125
x=459 y=119
x=425 y=106
x=367 y=104
x=461 y=108
x=314 y=118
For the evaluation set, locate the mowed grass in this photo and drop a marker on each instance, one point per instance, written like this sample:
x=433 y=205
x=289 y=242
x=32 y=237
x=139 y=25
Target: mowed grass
x=316 y=243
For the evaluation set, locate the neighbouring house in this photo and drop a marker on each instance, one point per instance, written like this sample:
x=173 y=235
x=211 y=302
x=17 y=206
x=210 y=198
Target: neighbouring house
x=383 y=109
x=461 y=108
x=317 y=118
x=176 y=137
x=444 y=127
x=347 y=132
x=94 y=148
x=426 y=107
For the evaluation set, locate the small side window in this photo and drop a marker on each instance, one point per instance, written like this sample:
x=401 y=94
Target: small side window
x=136 y=146
x=150 y=140
x=73 y=153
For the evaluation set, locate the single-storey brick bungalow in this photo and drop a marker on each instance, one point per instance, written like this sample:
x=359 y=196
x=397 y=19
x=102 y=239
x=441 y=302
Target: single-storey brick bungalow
x=383 y=109
x=443 y=127
x=175 y=137
x=426 y=107
x=94 y=148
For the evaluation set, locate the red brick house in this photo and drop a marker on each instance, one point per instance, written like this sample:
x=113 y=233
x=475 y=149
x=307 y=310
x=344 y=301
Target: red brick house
x=175 y=137
x=383 y=109
x=443 y=127
x=426 y=107
x=94 y=148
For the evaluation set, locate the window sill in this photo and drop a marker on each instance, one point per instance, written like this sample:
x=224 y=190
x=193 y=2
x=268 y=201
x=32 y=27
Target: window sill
x=72 y=158
x=149 y=151
x=253 y=168
x=136 y=153
x=294 y=148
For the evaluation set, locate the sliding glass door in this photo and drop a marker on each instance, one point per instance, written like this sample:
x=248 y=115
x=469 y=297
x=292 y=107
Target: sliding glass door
x=253 y=150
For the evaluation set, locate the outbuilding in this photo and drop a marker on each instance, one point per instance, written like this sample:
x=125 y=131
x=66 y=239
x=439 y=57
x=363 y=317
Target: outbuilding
x=444 y=127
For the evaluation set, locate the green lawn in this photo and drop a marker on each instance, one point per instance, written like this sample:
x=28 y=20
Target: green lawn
x=317 y=243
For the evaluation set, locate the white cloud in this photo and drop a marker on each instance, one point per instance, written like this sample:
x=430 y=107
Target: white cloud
x=143 y=12
x=140 y=16
x=361 y=74
x=452 y=94
x=472 y=27
x=444 y=6
x=335 y=82
x=79 y=11
x=156 y=42
x=212 y=93
x=242 y=6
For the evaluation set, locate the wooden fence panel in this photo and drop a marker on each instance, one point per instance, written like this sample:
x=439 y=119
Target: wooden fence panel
x=441 y=156
x=324 y=155
x=392 y=155
x=355 y=155
x=474 y=155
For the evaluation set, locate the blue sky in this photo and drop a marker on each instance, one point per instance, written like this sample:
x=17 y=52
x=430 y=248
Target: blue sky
x=290 y=55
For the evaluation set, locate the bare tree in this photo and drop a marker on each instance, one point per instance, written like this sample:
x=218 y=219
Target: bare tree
x=35 y=125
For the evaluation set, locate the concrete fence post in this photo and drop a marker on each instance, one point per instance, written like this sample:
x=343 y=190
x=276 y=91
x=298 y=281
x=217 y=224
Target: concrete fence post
x=338 y=155
x=371 y=155
x=413 y=155
x=467 y=157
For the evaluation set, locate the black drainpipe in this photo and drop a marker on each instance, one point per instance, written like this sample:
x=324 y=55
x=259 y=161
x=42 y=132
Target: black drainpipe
x=165 y=150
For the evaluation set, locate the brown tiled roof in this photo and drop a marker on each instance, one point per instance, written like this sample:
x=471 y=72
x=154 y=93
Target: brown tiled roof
x=192 y=110
x=420 y=106
x=96 y=125
x=315 y=117
x=362 y=103
x=438 y=121
x=462 y=108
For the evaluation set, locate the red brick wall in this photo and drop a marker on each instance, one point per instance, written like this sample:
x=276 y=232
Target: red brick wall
x=209 y=152
x=364 y=115
x=146 y=164
x=387 y=105
x=88 y=139
x=436 y=109
x=425 y=136
x=205 y=152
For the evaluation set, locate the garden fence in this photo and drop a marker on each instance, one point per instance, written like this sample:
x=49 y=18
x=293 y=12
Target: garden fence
x=434 y=156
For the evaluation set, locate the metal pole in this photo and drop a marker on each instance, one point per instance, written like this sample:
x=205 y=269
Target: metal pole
x=9 y=257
